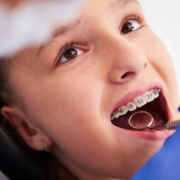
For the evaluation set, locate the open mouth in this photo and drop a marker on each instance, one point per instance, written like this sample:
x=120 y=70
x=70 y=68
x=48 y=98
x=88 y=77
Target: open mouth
x=151 y=101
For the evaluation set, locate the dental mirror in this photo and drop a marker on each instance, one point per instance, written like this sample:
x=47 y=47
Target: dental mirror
x=142 y=120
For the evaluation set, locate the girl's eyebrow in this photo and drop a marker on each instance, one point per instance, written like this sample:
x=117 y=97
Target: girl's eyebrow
x=59 y=32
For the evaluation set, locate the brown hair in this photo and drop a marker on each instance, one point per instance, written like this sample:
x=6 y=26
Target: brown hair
x=40 y=165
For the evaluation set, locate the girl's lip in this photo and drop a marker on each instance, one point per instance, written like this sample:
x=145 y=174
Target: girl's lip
x=146 y=133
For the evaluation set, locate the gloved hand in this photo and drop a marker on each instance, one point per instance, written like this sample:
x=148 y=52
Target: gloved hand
x=165 y=164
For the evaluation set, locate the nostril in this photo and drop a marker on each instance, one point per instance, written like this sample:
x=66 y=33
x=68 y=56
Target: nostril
x=128 y=74
x=124 y=76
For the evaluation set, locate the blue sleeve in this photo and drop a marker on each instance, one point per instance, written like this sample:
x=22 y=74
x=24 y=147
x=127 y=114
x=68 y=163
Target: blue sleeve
x=165 y=164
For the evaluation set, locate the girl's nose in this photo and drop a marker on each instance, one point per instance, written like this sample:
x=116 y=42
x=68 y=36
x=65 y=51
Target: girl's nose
x=127 y=61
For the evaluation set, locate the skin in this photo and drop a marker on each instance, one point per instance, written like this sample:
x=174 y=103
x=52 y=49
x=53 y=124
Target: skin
x=68 y=104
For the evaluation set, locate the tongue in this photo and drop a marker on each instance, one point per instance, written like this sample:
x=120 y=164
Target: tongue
x=158 y=119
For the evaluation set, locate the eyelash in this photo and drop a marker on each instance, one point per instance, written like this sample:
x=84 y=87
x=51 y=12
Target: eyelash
x=132 y=17
x=74 y=45
x=68 y=46
x=127 y=18
x=65 y=48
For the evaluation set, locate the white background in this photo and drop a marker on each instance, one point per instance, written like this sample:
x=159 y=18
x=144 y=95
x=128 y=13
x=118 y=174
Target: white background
x=164 y=18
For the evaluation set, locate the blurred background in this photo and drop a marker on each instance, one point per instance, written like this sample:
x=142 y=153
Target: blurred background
x=164 y=18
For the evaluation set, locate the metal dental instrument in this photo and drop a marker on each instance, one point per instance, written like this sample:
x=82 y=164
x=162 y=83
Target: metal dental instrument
x=143 y=123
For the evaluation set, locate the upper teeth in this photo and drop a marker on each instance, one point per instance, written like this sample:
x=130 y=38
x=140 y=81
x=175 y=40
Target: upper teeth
x=139 y=101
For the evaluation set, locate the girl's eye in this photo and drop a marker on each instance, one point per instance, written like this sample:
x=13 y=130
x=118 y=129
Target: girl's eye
x=70 y=54
x=130 y=26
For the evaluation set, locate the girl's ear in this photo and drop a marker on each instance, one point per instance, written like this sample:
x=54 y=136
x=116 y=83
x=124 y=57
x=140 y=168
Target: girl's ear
x=33 y=136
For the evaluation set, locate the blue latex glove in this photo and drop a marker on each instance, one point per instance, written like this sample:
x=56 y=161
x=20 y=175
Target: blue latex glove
x=165 y=164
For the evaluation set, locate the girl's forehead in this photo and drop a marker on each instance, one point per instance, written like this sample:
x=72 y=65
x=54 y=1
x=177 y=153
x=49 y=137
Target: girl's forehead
x=108 y=4
x=89 y=14
x=117 y=3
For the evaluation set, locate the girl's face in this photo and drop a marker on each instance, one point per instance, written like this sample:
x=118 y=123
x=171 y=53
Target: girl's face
x=69 y=87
